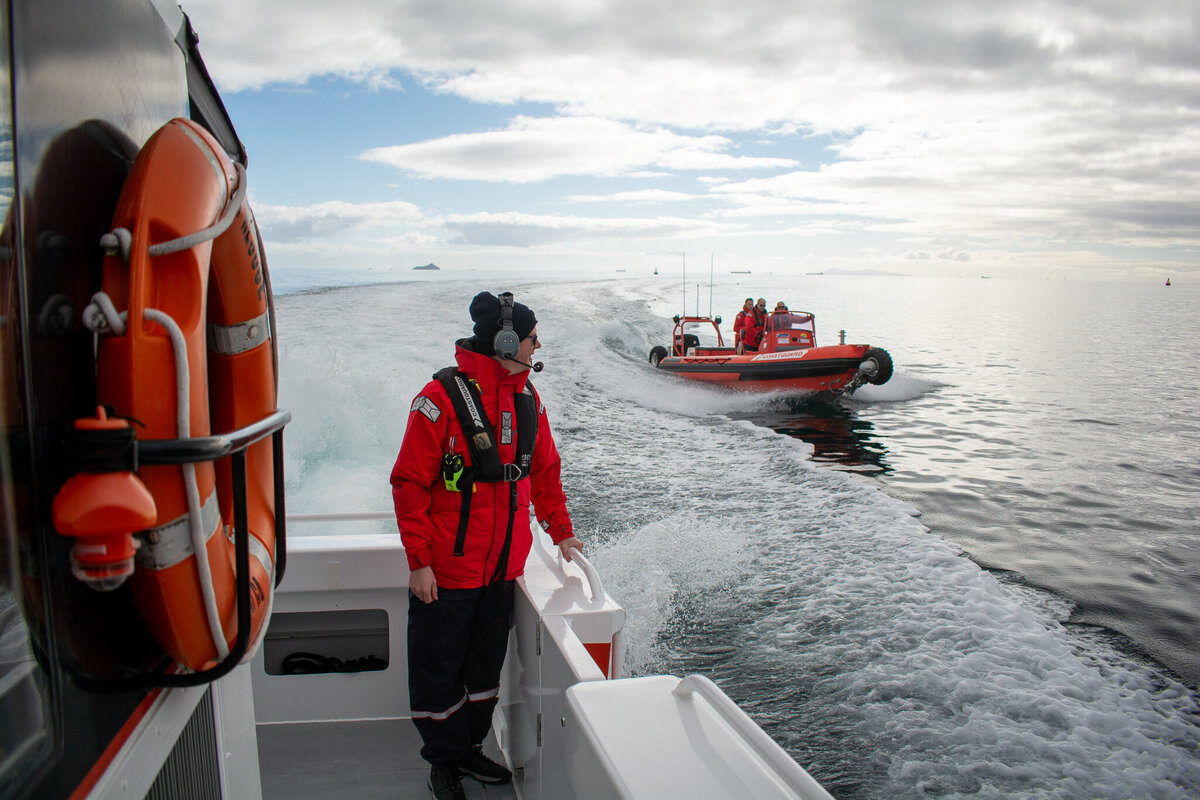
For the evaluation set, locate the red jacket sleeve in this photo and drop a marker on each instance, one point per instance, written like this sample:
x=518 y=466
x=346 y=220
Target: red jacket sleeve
x=549 y=500
x=417 y=466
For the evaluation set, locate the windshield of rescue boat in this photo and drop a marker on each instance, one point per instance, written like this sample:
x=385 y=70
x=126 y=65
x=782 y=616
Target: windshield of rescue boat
x=705 y=332
x=792 y=321
x=794 y=330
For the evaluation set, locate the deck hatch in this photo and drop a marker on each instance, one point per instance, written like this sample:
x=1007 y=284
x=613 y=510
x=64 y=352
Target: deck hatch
x=316 y=642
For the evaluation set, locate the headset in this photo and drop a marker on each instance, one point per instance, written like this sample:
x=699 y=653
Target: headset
x=506 y=342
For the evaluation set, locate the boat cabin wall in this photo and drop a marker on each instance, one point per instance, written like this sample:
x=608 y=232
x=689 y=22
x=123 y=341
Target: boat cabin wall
x=336 y=646
x=85 y=85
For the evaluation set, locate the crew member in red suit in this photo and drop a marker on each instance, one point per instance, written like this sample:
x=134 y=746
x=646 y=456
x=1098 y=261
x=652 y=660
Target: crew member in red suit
x=754 y=326
x=739 y=323
x=463 y=573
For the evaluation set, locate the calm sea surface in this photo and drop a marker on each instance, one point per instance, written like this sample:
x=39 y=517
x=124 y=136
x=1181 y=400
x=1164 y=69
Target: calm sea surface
x=1061 y=441
x=978 y=580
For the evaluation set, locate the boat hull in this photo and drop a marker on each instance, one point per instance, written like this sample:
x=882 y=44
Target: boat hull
x=817 y=369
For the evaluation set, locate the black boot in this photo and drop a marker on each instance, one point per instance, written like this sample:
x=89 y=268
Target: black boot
x=483 y=769
x=445 y=782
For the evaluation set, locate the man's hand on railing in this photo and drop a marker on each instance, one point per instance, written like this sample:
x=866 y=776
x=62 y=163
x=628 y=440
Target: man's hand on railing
x=567 y=544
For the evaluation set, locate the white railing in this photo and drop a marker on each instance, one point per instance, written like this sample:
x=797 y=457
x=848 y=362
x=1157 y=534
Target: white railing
x=595 y=586
x=754 y=737
x=342 y=516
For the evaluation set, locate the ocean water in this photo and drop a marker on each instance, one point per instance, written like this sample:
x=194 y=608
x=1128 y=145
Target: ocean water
x=978 y=580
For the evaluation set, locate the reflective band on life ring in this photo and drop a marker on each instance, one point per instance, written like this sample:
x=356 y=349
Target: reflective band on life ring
x=229 y=340
x=166 y=545
x=183 y=190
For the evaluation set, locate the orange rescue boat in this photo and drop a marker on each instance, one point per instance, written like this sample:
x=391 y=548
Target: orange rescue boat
x=788 y=359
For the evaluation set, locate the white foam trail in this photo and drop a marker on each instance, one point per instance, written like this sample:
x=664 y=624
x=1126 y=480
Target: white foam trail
x=651 y=566
x=900 y=388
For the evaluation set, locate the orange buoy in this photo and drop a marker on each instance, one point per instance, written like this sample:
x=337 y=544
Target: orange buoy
x=102 y=510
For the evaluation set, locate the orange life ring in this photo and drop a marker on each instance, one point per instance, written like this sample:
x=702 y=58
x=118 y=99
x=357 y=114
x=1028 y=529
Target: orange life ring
x=214 y=294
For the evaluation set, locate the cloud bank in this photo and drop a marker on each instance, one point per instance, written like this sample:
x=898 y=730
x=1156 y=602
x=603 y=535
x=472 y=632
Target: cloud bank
x=1023 y=126
x=537 y=149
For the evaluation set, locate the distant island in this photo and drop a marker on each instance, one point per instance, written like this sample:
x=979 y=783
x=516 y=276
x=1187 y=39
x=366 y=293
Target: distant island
x=430 y=265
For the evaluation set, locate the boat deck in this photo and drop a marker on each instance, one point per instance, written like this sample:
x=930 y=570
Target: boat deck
x=365 y=760
x=349 y=734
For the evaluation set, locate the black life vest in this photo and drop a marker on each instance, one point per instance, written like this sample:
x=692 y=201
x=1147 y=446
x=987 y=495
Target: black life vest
x=486 y=465
x=760 y=323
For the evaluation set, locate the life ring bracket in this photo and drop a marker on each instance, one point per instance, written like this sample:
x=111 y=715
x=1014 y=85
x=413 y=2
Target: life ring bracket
x=210 y=448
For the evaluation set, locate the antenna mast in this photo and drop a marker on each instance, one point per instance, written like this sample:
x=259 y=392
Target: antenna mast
x=684 y=256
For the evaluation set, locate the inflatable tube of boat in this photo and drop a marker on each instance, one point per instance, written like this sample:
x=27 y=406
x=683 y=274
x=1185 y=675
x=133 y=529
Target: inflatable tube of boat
x=196 y=354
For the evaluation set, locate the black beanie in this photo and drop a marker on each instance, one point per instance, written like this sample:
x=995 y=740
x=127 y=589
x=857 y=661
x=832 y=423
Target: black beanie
x=485 y=313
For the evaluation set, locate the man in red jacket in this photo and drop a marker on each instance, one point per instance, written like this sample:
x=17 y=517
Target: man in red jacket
x=739 y=324
x=754 y=326
x=462 y=485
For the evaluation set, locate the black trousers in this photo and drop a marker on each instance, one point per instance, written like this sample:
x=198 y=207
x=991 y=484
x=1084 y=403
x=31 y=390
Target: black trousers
x=456 y=647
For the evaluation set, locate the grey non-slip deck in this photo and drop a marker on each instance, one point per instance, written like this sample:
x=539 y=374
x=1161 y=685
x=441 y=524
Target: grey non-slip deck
x=366 y=760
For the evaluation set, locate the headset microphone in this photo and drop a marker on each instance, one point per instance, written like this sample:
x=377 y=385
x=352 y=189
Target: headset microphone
x=536 y=366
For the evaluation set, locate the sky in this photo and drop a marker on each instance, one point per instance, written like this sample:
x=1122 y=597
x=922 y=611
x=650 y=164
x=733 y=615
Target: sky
x=1024 y=138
